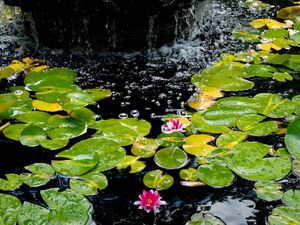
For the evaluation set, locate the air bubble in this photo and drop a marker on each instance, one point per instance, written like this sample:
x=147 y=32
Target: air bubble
x=18 y=92
x=123 y=115
x=135 y=113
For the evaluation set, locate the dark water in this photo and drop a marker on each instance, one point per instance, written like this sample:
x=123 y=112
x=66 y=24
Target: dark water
x=145 y=84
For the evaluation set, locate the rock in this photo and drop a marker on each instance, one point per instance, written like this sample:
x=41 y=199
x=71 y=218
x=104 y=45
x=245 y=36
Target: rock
x=103 y=24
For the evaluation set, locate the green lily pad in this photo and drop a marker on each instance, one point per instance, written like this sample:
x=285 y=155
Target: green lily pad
x=261 y=70
x=144 y=147
x=227 y=77
x=75 y=100
x=248 y=162
x=171 y=158
x=89 y=184
x=292 y=138
x=52 y=79
x=197 y=145
x=73 y=167
x=292 y=198
x=65 y=127
x=132 y=161
x=174 y=139
x=35 y=118
x=98 y=93
x=41 y=174
x=9 y=206
x=290 y=12
x=32 y=135
x=296 y=167
x=282 y=76
x=13 y=182
x=272 y=105
x=296 y=99
x=268 y=190
x=253 y=125
x=67 y=207
x=215 y=175
x=13 y=131
x=189 y=174
x=53 y=144
x=156 y=179
x=204 y=219
x=128 y=130
x=202 y=125
x=247 y=35
x=284 y=215
x=84 y=114
x=230 y=139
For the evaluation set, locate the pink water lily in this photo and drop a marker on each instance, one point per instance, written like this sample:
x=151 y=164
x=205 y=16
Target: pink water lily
x=173 y=125
x=150 y=200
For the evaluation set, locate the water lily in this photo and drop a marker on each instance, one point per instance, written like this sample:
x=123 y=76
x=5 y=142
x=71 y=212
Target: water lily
x=150 y=200
x=173 y=125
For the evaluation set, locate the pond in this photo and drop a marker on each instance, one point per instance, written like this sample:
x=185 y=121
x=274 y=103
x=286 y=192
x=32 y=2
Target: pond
x=148 y=84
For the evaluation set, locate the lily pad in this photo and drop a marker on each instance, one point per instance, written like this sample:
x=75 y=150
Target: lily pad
x=296 y=167
x=230 y=139
x=132 y=161
x=215 y=175
x=292 y=198
x=171 y=158
x=144 y=147
x=204 y=219
x=73 y=167
x=13 y=131
x=67 y=207
x=156 y=179
x=268 y=190
x=98 y=94
x=174 y=139
x=89 y=184
x=13 y=182
x=84 y=114
x=292 y=138
x=75 y=100
x=189 y=174
x=9 y=206
x=253 y=125
x=53 y=144
x=32 y=135
x=65 y=127
x=261 y=70
x=284 y=215
x=197 y=144
x=35 y=118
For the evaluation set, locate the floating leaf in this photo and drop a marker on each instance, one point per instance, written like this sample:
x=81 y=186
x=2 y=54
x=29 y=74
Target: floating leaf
x=296 y=167
x=35 y=118
x=227 y=77
x=171 y=158
x=13 y=182
x=247 y=35
x=41 y=174
x=89 y=184
x=268 y=190
x=171 y=140
x=253 y=125
x=75 y=100
x=156 y=179
x=199 y=123
x=248 y=162
x=9 y=206
x=204 y=219
x=292 y=138
x=261 y=70
x=53 y=144
x=270 y=23
x=189 y=174
x=125 y=130
x=296 y=99
x=32 y=135
x=230 y=139
x=144 y=147
x=132 y=161
x=84 y=114
x=52 y=79
x=73 y=167
x=197 y=144
x=45 y=106
x=98 y=93
x=13 y=131
x=289 y=12
x=66 y=207
x=284 y=215
x=292 y=198
x=65 y=127
x=215 y=175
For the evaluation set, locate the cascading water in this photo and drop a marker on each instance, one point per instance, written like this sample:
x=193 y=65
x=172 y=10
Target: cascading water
x=145 y=84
